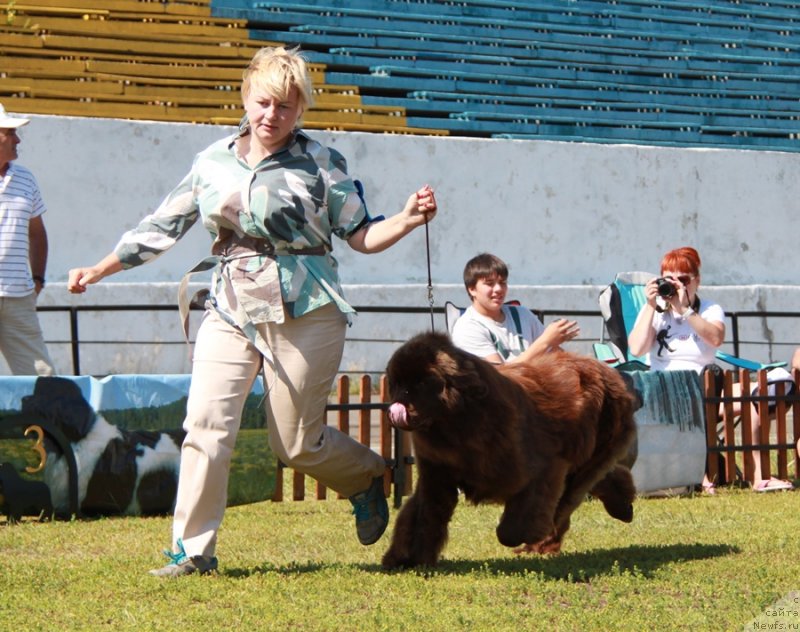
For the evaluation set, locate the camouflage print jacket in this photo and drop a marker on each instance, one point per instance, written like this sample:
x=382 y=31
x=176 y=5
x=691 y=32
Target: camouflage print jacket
x=272 y=228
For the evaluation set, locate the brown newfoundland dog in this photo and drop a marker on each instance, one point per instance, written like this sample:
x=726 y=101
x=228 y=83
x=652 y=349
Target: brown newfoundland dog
x=536 y=437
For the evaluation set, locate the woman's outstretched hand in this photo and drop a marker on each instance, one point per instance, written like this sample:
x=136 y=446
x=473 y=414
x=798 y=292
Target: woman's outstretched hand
x=421 y=206
x=419 y=209
x=79 y=278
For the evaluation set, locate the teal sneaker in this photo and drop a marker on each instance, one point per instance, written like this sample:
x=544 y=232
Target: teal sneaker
x=371 y=511
x=181 y=564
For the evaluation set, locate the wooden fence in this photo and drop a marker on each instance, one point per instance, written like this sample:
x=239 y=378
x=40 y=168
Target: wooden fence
x=367 y=421
x=360 y=410
x=729 y=435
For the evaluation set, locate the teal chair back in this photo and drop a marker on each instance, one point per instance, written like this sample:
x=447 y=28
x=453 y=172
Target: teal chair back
x=620 y=303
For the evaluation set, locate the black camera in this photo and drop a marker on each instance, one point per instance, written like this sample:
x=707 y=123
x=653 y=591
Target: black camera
x=665 y=287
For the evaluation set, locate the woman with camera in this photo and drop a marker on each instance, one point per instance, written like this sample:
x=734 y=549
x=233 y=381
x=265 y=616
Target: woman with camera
x=686 y=331
x=681 y=331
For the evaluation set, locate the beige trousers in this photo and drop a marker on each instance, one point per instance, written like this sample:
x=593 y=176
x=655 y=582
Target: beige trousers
x=21 y=339
x=307 y=352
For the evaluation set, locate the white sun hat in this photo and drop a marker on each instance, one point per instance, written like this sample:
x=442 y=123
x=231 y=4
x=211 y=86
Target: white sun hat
x=11 y=122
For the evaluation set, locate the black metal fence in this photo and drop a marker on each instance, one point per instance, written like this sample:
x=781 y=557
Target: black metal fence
x=736 y=338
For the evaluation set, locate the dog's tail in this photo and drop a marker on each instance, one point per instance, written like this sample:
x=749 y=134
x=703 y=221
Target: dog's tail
x=635 y=393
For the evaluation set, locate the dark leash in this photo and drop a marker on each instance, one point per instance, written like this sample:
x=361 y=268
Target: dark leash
x=430 y=283
x=398 y=471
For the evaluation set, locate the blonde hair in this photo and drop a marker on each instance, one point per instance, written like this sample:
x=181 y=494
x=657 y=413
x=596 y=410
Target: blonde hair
x=276 y=71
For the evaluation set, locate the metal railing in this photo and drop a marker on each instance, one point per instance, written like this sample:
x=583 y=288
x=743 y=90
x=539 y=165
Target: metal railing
x=75 y=340
x=737 y=316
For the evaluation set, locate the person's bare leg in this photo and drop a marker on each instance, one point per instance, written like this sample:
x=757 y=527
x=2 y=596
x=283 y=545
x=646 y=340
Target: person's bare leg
x=760 y=483
x=755 y=455
x=796 y=359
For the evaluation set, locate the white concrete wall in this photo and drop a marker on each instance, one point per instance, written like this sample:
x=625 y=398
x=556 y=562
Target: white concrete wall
x=565 y=216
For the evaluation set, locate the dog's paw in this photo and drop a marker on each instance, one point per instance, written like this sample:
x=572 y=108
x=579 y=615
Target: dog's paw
x=509 y=536
x=394 y=562
x=395 y=559
x=617 y=493
x=525 y=548
x=548 y=546
x=391 y=561
x=390 y=564
x=619 y=510
x=513 y=531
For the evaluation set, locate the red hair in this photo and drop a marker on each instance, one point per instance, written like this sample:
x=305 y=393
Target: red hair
x=685 y=260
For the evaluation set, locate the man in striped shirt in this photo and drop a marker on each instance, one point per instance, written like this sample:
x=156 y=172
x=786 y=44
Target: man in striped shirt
x=23 y=258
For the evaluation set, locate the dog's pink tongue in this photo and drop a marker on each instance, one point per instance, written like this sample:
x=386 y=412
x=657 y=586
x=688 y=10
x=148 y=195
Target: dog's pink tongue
x=397 y=414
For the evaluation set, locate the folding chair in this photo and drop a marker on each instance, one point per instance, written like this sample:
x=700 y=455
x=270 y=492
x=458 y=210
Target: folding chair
x=453 y=312
x=620 y=303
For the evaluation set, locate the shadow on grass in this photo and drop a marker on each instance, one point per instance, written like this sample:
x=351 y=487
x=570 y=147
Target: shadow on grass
x=641 y=561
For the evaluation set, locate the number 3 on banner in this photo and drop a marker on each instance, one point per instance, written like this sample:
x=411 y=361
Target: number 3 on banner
x=38 y=447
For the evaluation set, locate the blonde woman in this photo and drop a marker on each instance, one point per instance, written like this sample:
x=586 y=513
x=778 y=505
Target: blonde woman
x=272 y=199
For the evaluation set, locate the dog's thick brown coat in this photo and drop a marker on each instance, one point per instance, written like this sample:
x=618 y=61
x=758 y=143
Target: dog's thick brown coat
x=536 y=437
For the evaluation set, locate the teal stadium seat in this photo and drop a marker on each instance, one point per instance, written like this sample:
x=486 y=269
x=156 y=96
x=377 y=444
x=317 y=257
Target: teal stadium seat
x=674 y=73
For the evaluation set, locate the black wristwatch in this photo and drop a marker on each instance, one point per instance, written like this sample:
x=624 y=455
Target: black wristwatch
x=38 y=278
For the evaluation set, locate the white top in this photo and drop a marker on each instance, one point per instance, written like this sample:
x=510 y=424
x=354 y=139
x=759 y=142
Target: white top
x=679 y=347
x=20 y=201
x=484 y=336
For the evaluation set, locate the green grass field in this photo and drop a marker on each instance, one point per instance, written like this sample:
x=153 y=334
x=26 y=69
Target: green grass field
x=689 y=563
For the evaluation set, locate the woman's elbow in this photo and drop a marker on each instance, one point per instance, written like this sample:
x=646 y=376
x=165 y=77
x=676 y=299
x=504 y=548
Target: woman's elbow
x=357 y=242
x=635 y=347
x=358 y=246
x=715 y=336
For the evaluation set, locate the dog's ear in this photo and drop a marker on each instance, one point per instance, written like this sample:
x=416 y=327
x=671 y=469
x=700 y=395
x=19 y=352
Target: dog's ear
x=462 y=377
x=474 y=378
x=445 y=363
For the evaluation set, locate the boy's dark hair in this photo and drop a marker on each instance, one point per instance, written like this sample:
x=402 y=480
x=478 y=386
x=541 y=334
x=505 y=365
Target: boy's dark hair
x=483 y=266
